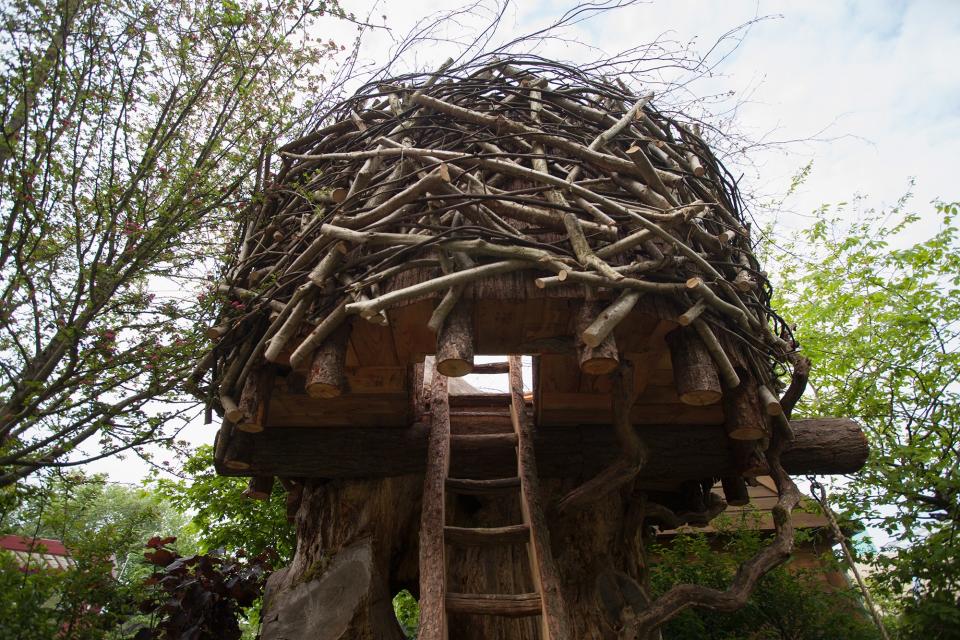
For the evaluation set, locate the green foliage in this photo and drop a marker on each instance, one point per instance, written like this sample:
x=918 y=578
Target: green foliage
x=788 y=603
x=87 y=512
x=82 y=602
x=221 y=518
x=133 y=135
x=878 y=313
x=103 y=526
x=407 y=610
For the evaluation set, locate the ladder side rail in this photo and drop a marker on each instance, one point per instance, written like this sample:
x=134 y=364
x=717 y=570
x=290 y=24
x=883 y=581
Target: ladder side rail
x=554 y=621
x=433 y=578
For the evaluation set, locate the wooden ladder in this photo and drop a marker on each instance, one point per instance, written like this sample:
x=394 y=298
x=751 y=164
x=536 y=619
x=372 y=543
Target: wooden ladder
x=435 y=600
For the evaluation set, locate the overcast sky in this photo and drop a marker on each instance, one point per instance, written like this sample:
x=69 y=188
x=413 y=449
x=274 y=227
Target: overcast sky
x=869 y=87
x=872 y=86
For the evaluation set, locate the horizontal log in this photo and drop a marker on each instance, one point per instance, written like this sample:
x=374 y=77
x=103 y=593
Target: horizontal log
x=677 y=452
x=491 y=367
x=517 y=605
x=486 y=536
x=468 y=487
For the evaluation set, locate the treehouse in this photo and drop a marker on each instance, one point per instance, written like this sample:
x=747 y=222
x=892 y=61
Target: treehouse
x=522 y=209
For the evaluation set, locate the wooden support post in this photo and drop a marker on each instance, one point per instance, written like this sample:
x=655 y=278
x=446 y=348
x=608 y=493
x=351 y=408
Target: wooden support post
x=220 y=442
x=255 y=400
x=326 y=378
x=735 y=491
x=742 y=416
x=455 y=342
x=259 y=488
x=599 y=359
x=238 y=451
x=433 y=619
x=694 y=373
x=554 y=623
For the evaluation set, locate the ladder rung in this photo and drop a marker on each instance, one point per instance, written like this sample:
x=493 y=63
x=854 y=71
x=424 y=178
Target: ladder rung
x=491 y=604
x=477 y=422
x=479 y=400
x=478 y=537
x=467 y=487
x=484 y=439
x=461 y=415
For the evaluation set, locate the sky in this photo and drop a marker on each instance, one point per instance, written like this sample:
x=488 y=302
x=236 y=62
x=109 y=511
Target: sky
x=865 y=90
x=868 y=91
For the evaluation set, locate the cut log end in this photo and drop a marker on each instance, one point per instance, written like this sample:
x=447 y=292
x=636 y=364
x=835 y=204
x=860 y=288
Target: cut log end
x=249 y=427
x=743 y=418
x=700 y=397
x=323 y=390
x=236 y=465
x=259 y=488
x=218 y=331
x=326 y=377
x=255 y=399
x=231 y=411
x=599 y=366
x=455 y=342
x=694 y=373
x=770 y=403
x=455 y=367
x=600 y=358
x=745 y=432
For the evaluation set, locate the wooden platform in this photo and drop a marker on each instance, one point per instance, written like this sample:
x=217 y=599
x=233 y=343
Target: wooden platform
x=380 y=359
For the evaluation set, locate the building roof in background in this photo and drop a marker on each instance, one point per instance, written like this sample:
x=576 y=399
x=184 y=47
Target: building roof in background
x=30 y=551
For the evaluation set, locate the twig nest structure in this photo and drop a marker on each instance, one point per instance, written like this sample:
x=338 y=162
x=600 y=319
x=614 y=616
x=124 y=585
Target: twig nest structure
x=437 y=187
x=517 y=207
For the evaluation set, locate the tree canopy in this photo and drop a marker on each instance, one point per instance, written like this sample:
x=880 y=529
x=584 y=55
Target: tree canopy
x=876 y=298
x=132 y=135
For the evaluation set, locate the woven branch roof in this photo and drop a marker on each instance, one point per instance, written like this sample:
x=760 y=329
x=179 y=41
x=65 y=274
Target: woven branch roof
x=491 y=168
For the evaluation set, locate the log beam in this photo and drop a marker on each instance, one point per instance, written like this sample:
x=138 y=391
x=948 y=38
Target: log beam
x=326 y=378
x=255 y=400
x=743 y=418
x=433 y=619
x=455 y=342
x=821 y=446
x=693 y=370
x=602 y=357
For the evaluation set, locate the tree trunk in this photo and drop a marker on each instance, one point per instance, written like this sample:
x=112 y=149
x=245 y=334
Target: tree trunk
x=356 y=548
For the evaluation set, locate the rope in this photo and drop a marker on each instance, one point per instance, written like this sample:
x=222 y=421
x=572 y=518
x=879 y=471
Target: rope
x=819 y=493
